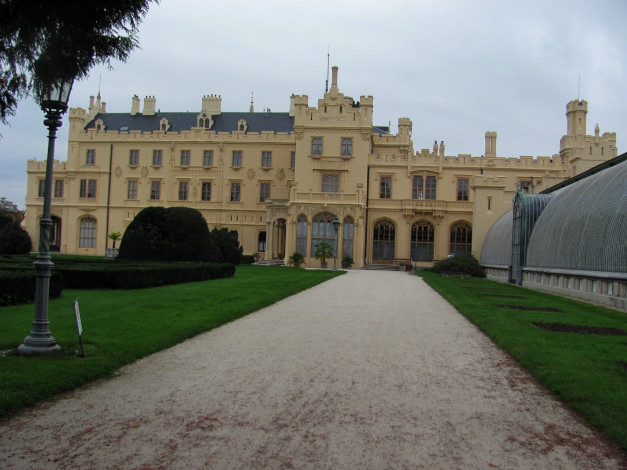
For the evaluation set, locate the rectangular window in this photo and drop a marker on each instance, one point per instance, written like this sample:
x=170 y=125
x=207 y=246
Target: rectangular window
x=417 y=190
x=462 y=189
x=347 y=146
x=237 y=158
x=157 y=157
x=88 y=188
x=430 y=188
x=91 y=157
x=183 y=190
x=385 y=187
x=293 y=160
x=42 y=188
x=133 y=158
x=185 y=157
x=235 y=192
x=206 y=191
x=330 y=183
x=266 y=159
x=264 y=192
x=155 y=190
x=524 y=186
x=58 y=188
x=316 y=146
x=132 y=190
x=489 y=203
x=207 y=158
x=91 y=188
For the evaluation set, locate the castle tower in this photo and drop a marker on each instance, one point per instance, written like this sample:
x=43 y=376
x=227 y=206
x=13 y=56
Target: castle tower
x=576 y=117
x=490 y=144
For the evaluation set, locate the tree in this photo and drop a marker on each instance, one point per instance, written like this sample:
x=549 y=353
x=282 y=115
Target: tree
x=10 y=211
x=44 y=42
x=14 y=240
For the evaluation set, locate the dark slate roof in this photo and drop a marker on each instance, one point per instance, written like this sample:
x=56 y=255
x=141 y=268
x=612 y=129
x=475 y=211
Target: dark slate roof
x=381 y=130
x=225 y=122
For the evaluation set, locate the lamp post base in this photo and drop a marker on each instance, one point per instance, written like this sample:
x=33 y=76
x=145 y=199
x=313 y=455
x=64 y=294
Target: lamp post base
x=39 y=346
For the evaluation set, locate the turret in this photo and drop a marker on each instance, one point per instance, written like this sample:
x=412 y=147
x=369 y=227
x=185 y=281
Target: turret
x=576 y=117
x=490 y=144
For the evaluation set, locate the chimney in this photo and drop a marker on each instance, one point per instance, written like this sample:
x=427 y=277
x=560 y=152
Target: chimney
x=134 y=105
x=334 y=78
x=150 y=103
x=212 y=104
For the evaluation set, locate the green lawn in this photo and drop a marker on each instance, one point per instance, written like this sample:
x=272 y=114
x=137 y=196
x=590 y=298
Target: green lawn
x=588 y=372
x=121 y=326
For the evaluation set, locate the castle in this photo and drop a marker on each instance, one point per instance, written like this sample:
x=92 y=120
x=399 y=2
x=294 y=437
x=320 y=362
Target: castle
x=284 y=182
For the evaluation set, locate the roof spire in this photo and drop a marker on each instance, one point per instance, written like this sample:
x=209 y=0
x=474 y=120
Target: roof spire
x=326 y=89
x=252 y=105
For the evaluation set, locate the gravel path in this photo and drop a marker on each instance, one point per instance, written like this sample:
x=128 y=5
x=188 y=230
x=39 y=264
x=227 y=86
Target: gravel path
x=372 y=370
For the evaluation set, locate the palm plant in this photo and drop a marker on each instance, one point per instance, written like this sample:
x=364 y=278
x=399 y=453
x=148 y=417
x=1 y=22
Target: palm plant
x=296 y=260
x=323 y=251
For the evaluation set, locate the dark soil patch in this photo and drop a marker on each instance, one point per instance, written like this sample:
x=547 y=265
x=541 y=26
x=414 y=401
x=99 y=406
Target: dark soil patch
x=479 y=288
x=586 y=330
x=623 y=365
x=503 y=296
x=531 y=309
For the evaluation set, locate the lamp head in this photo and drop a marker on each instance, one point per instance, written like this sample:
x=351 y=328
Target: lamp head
x=56 y=96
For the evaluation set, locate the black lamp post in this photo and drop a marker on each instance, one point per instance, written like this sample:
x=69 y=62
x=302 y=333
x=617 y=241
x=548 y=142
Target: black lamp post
x=336 y=226
x=40 y=341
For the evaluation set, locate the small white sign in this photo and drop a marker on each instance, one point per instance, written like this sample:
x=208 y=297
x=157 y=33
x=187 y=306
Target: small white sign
x=78 y=318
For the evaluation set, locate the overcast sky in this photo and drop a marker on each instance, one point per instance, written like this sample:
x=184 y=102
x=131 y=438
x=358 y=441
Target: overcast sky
x=456 y=68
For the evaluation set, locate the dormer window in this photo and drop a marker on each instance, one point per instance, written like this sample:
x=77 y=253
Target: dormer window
x=99 y=125
x=164 y=125
x=204 y=121
x=242 y=126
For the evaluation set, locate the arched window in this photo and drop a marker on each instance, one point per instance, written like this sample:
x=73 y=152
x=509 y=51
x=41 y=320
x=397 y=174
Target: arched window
x=383 y=241
x=461 y=238
x=301 y=235
x=348 y=234
x=422 y=235
x=87 y=234
x=322 y=231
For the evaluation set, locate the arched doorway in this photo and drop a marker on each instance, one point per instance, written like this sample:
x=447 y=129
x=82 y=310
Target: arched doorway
x=322 y=231
x=383 y=240
x=422 y=237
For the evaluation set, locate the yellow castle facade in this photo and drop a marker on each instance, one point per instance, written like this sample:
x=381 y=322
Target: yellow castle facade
x=279 y=181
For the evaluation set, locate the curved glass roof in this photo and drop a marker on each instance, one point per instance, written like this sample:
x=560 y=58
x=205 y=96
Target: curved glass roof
x=584 y=227
x=497 y=246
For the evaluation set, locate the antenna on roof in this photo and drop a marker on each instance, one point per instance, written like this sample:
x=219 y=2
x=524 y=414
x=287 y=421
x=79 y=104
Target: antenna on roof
x=326 y=89
x=252 y=107
x=99 y=81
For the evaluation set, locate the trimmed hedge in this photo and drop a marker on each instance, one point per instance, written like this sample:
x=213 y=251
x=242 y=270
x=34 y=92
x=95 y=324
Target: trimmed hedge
x=136 y=276
x=167 y=234
x=18 y=286
x=459 y=264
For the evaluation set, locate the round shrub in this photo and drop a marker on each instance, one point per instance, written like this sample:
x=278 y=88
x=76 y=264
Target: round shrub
x=224 y=247
x=465 y=263
x=172 y=234
x=14 y=240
